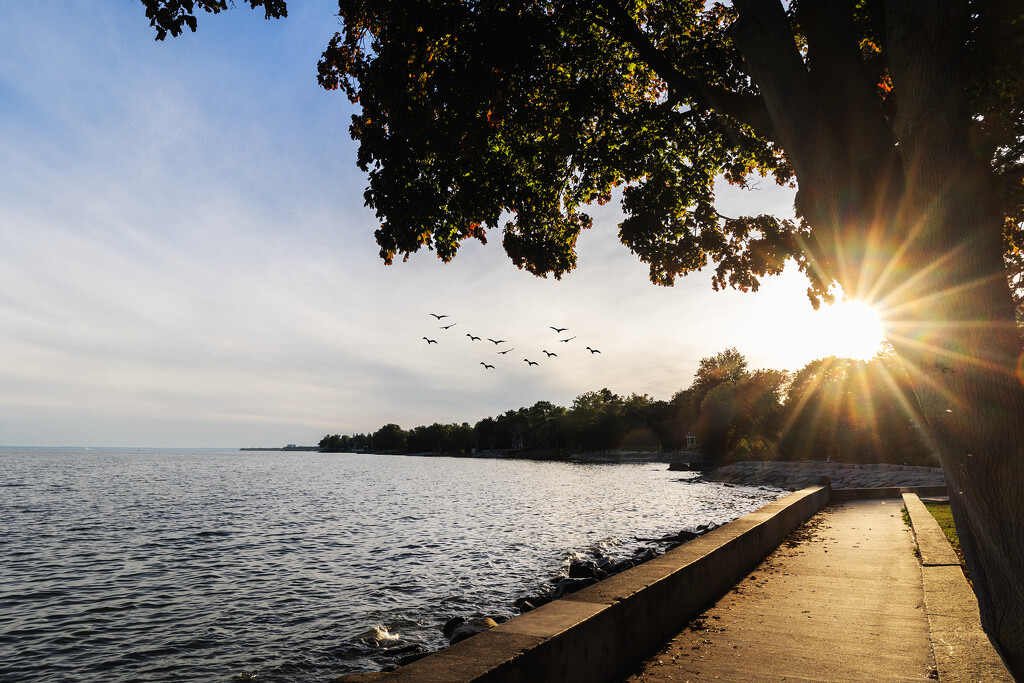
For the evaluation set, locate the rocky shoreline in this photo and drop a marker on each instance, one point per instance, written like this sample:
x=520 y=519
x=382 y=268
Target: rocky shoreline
x=797 y=475
x=579 y=574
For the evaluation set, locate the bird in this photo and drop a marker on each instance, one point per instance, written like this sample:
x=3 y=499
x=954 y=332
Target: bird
x=529 y=362
x=592 y=351
x=550 y=354
x=430 y=341
x=472 y=338
x=502 y=353
x=567 y=340
x=496 y=341
x=438 y=316
x=445 y=327
x=486 y=366
x=559 y=329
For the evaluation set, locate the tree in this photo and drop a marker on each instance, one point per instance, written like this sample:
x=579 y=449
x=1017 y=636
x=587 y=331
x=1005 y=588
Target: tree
x=844 y=409
x=725 y=366
x=740 y=418
x=595 y=421
x=901 y=123
x=390 y=437
x=337 y=443
x=334 y=443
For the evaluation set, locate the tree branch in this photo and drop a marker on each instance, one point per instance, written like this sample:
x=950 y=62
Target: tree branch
x=748 y=110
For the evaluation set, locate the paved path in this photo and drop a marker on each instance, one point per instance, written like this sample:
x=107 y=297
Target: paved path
x=842 y=600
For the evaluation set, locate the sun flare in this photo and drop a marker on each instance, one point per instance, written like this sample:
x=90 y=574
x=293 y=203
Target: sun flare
x=851 y=329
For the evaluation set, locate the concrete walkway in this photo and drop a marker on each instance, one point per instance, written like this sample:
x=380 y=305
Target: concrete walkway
x=842 y=600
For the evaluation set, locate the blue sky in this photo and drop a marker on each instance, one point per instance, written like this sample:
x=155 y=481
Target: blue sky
x=185 y=258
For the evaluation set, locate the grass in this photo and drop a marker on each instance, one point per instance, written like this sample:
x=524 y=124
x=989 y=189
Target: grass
x=943 y=514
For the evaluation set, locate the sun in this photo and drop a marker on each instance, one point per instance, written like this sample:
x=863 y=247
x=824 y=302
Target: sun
x=850 y=329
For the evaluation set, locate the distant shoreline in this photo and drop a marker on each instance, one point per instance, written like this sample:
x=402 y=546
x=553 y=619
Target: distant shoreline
x=683 y=460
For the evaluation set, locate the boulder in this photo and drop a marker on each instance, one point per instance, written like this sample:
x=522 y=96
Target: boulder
x=409 y=659
x=450 y=626
x=532 y=602
x=621 y=566
x=566 y=586
x=644 y=554
x=405 y=649
x=586 y=570
x=471 y=628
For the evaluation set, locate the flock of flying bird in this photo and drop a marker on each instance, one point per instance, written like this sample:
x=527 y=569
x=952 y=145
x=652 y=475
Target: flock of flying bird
x=499 y=342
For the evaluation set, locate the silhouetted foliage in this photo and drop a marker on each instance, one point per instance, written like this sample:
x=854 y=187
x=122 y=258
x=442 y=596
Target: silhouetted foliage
x=833 y=408
x=741 y=418
x=173 y=16
x=441 y=438
x=390 y=437
x=725 y=366
x=854 y=411
x=335 y=443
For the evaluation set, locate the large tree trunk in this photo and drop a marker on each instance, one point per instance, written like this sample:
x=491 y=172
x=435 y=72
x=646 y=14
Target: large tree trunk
x=956 y=330
x=953 y=327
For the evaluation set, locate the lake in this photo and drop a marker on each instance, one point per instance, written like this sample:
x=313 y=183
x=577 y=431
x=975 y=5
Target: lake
x=198 y=565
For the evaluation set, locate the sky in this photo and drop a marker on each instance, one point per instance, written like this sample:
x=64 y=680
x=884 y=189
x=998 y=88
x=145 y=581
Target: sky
x=186 y=259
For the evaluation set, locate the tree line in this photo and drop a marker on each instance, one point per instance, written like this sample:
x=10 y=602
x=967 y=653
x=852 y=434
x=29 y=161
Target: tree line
x=833 y=408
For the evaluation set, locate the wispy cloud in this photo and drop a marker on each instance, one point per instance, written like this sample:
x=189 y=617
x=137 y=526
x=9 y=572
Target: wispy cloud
x=187 y=259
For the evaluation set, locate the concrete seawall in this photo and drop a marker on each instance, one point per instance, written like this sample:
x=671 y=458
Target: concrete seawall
x=963 y=651
x=595 y=634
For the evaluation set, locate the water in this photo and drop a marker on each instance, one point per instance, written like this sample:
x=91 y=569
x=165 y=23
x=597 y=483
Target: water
x=125 y=565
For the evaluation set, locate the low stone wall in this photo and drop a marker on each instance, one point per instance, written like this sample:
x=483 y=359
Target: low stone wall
x=594 y=635
x=963 y=652
x=797 y=475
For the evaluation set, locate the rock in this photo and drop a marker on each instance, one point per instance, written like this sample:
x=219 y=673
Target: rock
x=586 y=570
x=525 y=606
x=450 y=626
x=621 y=566
x=644 y=554
x=471 y=628
x=566 y=586
x=409 y=659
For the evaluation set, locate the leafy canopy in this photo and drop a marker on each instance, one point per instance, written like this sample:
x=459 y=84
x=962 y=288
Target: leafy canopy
x=476 y=115
x=172 y=16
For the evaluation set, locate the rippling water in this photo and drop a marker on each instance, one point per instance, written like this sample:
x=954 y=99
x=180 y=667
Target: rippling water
x=128 y=565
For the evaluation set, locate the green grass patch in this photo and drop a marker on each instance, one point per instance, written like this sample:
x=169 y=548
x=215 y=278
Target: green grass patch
x=943 y=514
